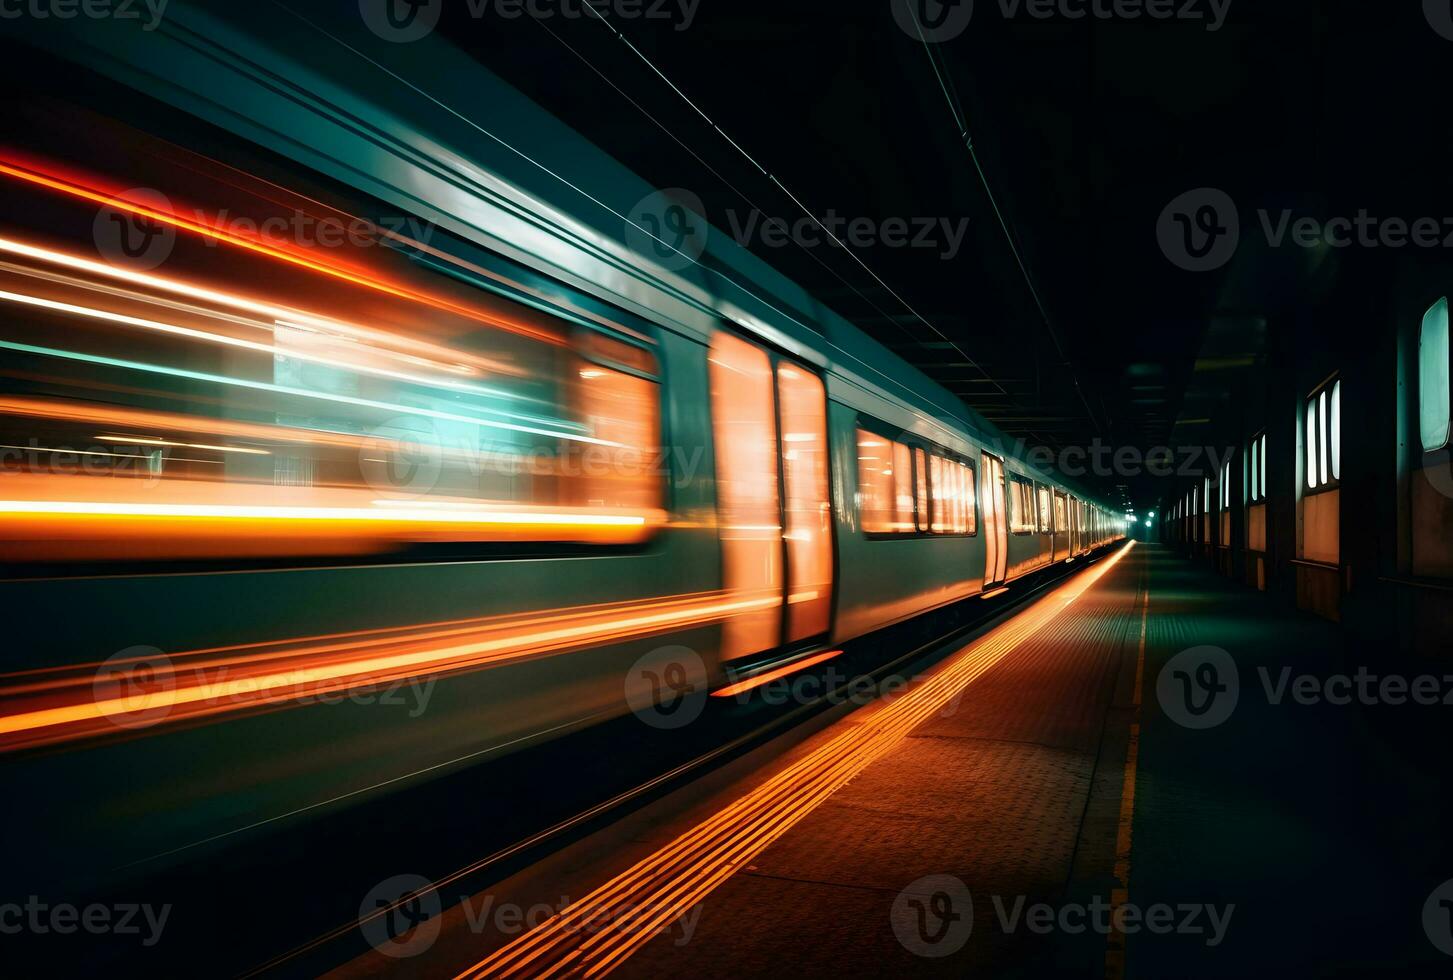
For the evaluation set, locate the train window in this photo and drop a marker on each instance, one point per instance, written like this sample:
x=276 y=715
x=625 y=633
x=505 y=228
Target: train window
x=886 y=485
x=1323 y=418
x=1433 y=381
x=1061 y=514
x=744 y=430
x=877 y=500
x=939 y=483
x=971 y=501
x=1046 y=525
x=1226 y=485
x=1022 y=519
x=903 y=493
x=920 y=484
x=951 y=489
x=802 y=406
x=955 y=473
x=304 y=399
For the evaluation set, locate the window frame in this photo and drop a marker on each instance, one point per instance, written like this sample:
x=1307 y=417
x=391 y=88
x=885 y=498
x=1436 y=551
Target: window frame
x=1256 y=469
x=1321 y=438
x=1044 y=504
x=1440 y=303
x=922 y=453
x=1017 y=481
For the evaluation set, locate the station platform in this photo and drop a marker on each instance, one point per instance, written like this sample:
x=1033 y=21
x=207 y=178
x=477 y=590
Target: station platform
x=1104 y=783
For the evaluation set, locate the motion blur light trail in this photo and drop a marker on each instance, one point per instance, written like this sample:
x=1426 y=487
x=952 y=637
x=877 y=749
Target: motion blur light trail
x=595 y=935
x=77 y=517
x=347 y=273
x=366 y=407
x=752 y=683
x=423 y=353
x=49 y=706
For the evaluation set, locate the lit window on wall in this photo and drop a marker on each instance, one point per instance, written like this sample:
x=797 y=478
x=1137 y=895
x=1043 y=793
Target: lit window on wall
x=1324 y=436
x=1336 y=436
x=1256 y=470
x=1262 y=462
x=1253 y=472
x=1433 y=382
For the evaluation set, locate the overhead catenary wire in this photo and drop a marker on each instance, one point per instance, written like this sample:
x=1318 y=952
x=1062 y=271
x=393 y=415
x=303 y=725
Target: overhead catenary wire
x=737 y=190
x=601 y=18
x=473 y=124
x=961 y=125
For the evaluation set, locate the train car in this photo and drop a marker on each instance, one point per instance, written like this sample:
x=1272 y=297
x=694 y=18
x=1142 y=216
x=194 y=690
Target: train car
x=349 y=439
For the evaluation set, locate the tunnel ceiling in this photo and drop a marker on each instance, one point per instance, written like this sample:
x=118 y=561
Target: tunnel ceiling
x=1085 y=130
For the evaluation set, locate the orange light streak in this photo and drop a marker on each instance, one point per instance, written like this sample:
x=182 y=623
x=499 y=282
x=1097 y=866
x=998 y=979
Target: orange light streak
x=752 y=683
x=595 y=935
x=148 y=441
x=61 y=411
x=334 y=270
x=50 y=517
x=63 y=708
x=436 y=356
x=224 y=340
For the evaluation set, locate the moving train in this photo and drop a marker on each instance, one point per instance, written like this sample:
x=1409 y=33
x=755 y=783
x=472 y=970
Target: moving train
x=348 y=438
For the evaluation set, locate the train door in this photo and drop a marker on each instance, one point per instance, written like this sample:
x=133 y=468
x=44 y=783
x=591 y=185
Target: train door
x=996 y=530
x=807 y=503
x=1061 y=525
x=769 y=421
